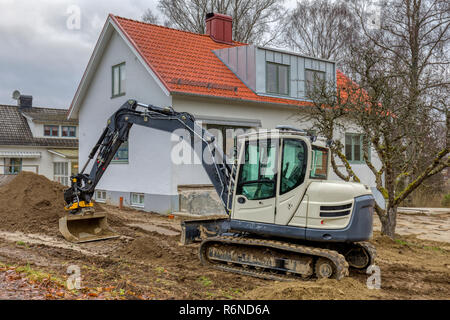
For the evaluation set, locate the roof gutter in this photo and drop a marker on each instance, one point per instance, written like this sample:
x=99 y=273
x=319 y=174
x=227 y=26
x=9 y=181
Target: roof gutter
x=197 y=95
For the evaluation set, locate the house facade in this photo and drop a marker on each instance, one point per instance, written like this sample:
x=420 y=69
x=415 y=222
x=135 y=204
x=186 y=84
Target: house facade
x=229 y=87
x=39 y=140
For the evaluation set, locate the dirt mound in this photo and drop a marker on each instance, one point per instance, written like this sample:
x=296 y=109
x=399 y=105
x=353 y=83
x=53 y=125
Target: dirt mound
x=147 y=248
x=346 y=288
x=31 y=203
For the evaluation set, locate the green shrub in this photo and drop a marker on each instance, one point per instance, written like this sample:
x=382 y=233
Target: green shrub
x=446 y=200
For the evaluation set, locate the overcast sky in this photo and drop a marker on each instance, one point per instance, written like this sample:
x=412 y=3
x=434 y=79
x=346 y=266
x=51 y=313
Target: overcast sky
x=41 y=56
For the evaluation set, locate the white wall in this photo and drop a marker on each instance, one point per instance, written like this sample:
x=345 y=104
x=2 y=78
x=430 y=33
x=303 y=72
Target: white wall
x=148 y=170
x=44 y=163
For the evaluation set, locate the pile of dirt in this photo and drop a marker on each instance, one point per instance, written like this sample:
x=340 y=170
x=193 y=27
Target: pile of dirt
x=347 y=288
x=31 y=203
x=147 y=248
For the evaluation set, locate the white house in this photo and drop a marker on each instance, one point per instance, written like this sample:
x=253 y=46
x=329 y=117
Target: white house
x=224 y=84
x=40 y=140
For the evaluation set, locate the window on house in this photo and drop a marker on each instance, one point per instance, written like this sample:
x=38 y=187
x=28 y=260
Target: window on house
x=312 y=78
x=354 y=151
x=100 y=195
x=61 y=172
x=137 y=199
x=319 y=163
x=118 y=80
x=121 y=155
x=51 y=130
x=13 y=165
x=277 y=79
x=68 y=131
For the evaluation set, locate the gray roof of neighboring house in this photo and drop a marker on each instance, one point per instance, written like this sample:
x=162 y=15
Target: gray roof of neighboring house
x=48 y=115
x=14 y=129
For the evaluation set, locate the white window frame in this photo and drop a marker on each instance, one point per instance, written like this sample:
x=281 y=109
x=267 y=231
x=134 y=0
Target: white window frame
x=101 y=199
x=118 y=84
x=141 y=197
x=62 y=178
x=68 y=131
x=53 y=126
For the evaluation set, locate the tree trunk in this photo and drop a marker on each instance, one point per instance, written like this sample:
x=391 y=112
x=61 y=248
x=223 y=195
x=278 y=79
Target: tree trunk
x=389 y=222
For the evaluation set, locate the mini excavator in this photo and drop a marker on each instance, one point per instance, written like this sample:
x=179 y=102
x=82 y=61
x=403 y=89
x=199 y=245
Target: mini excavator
x=285 y=218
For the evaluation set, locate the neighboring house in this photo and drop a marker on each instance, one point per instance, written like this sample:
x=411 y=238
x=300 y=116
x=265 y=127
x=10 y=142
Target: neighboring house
x=40 y=140
x=224 y=84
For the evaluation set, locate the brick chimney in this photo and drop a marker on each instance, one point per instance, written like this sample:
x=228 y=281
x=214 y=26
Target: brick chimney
x=219 y=27
x=25 y=102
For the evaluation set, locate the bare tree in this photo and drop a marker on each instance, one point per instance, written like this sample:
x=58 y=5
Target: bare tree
x=321 y=28
x=150 y=17
x=414 y=36
x=401 y=97
x=252 y=19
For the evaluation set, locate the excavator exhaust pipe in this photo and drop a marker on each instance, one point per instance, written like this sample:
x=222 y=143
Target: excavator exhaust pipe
x=86 y=227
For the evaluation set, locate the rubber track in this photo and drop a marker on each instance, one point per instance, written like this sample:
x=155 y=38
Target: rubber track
x=337 y=258
x=370 y=249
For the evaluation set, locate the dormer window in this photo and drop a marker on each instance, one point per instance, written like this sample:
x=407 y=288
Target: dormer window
x=51 y=130
x=68 y=131
x=313 y=78
x=277 y=78
x=276 y=73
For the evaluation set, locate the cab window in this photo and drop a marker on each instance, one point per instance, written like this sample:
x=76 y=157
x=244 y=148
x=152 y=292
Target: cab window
x=293 y=164
x=257 y=174
x=319 y=163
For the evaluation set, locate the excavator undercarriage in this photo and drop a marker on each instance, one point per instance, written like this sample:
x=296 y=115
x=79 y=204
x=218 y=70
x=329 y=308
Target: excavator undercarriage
x=270 y=259
x=275 y=259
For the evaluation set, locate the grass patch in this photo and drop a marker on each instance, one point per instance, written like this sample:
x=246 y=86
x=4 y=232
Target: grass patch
x=39 y=276
x=410 y=244
x=204 y=281
x=434 y=248
x=160 y=270
x=402 y=242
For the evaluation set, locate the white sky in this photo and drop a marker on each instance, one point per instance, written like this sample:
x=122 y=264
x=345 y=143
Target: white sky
x=40 y=56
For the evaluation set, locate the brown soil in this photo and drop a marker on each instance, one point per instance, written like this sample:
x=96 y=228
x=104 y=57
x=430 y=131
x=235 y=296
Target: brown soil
x=31 y=203
x=346 y=289
x=147 y=262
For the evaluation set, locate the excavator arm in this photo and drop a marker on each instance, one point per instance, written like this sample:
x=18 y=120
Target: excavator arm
x=83 y=184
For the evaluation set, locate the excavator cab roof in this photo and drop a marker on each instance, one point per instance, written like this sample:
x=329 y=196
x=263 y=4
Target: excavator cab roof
x=281 y=131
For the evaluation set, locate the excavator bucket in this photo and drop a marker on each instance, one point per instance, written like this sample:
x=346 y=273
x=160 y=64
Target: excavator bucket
x=85 y=227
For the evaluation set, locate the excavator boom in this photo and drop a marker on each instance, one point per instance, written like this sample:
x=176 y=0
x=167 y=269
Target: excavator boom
x=81 y=224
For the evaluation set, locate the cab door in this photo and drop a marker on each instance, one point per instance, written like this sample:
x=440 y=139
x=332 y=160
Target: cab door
x=292 y=186
x=255 y=196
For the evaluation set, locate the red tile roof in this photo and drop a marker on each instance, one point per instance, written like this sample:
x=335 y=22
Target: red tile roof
x=184 y=62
